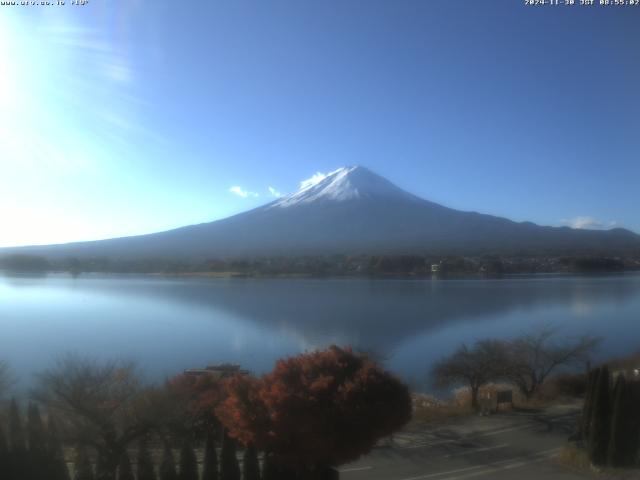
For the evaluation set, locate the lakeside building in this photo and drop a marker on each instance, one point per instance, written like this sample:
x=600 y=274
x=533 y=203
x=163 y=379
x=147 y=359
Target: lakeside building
x=219 y=371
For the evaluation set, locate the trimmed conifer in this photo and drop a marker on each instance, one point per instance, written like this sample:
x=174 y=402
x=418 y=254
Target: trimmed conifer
x=38 y=458
x=210 y=467
x=19 y=463
x=272 y=471
x=168 y=466
x=125 y=472
x=229 y=468
x=617 y=440
x=55 y=453
x=188 y=462
x=5 y=466
x=325 y=473
x=633 y=420
x=600 y=427
x=145 y=470
x=250 y=463
x=102 y=469
x=269 y=470
x=35 y=430
x=17 y=441
x=83 y=468
x=585 y=419
x=625 y=439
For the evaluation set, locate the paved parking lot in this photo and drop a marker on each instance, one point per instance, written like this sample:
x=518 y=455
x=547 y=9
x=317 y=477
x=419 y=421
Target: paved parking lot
x=503 y=446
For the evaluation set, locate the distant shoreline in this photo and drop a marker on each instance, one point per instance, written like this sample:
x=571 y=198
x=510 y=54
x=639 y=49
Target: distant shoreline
x=478 y=276
x=339 y=266
x=264 y=276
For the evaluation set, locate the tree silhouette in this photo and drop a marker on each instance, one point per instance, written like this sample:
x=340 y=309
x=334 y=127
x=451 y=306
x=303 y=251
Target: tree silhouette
x=38 y=455
x=269 y=468
x=188 y=462
x=125 y=472
x=35 y=430
x=56 y=462
x=276 y=471
x=623 y=443
x=145 y=470
x=17 y=443
x=585 y=420
x=537 y=354
x=634 y=417
x=210 y=467
x=250 y=464
x=103 y=405
x=5 y=378
x=229 y=469
x=619 y=414
x=473 y=367
x=83 y=467
x=104 y=471
x=600 y=426
x=5 y=466
x=17 y=438
x=168 y=465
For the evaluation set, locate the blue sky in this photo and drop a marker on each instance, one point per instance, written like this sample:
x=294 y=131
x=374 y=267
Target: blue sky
x=127 y=117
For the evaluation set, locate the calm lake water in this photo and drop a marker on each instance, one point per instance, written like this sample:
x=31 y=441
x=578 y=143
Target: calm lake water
x=170 y=324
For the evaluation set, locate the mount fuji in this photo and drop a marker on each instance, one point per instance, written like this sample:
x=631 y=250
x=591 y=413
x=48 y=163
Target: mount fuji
x=350 y=211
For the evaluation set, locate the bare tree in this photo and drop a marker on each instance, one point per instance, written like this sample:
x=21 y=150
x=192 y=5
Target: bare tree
x=100 y=405
x=535 y=355
x=5 y=378
x=474 y=367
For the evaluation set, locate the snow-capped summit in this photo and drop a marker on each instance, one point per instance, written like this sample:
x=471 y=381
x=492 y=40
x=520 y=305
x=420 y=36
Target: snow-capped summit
x=346 y=183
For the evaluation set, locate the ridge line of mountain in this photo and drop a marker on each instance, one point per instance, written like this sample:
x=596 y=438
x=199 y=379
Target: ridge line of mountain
x=351 y=211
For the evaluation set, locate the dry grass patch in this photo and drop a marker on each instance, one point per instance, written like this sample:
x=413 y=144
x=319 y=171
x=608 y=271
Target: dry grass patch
x=429 y=410
x=576 y=459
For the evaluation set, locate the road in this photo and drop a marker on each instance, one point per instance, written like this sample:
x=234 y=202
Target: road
x=504 y=446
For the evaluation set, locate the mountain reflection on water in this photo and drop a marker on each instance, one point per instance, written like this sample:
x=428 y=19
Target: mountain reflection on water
x=168 y=324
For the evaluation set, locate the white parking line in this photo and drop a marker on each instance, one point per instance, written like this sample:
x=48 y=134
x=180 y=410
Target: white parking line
x=354 y=469
x=427 y=445
x=470 y=437
x=510 y=429
x=498 y=469
x=476 y=450
x=491 y=467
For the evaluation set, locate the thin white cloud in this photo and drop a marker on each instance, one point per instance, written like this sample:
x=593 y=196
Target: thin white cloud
x=239 y=191
x=310 y=182
x=588 y=223
x=92 y=47
x=274 y=193
x=117 y=71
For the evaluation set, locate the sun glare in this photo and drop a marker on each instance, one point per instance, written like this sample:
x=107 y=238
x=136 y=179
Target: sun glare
x=7 y=70
x=15 y=110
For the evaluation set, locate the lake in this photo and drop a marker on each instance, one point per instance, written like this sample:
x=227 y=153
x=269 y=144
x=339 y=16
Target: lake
x=169 y=324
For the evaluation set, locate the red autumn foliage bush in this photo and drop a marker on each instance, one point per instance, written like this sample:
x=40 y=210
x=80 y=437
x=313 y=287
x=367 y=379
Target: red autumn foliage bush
x=195 y=399
x=316 y=409
x=244 y=411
